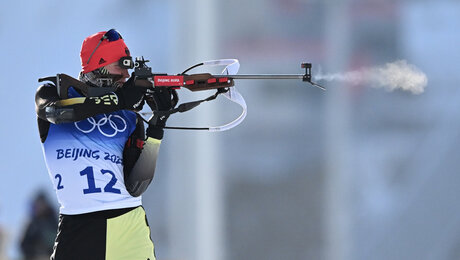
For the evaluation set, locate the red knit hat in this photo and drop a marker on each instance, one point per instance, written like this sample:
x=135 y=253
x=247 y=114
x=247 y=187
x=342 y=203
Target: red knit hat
x=105 y=52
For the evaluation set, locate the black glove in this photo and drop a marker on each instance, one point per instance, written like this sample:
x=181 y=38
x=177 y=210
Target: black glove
x=130 y=96
x=160 y=100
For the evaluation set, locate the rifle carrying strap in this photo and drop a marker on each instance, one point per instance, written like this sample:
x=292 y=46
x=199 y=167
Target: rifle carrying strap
x=230 y=93
x=156 y=114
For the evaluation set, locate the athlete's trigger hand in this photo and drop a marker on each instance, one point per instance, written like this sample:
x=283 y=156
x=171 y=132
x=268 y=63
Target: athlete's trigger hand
x=130 y=96
x=161 y=99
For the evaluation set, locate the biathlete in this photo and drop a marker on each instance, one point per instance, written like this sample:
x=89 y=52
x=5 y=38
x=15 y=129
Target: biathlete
x=99 y=156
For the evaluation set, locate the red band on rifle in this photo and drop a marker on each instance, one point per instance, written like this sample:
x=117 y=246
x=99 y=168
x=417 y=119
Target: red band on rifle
x=169 y=81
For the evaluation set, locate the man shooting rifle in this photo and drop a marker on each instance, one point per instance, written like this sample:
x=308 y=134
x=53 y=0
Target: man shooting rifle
x=99 y=157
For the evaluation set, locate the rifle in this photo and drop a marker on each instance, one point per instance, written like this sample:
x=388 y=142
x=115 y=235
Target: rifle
x=223 y=83
x=207 y=81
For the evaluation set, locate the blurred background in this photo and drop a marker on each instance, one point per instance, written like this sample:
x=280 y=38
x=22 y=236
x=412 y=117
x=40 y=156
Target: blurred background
x=353 y=172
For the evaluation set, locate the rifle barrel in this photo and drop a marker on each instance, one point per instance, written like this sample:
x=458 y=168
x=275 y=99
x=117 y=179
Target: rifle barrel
x=262 y=76
x=269 y=76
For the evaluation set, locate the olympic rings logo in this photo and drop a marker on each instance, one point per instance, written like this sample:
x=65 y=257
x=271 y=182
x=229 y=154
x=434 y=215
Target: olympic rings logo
x=108 y=126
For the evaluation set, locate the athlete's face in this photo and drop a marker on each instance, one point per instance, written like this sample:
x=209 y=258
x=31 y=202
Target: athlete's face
x=115 y=69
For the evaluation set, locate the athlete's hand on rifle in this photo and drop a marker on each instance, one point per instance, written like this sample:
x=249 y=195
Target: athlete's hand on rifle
x=160 y=100
x=130 y=96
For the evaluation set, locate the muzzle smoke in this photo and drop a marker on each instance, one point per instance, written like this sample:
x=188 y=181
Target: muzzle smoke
x=395 y=75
